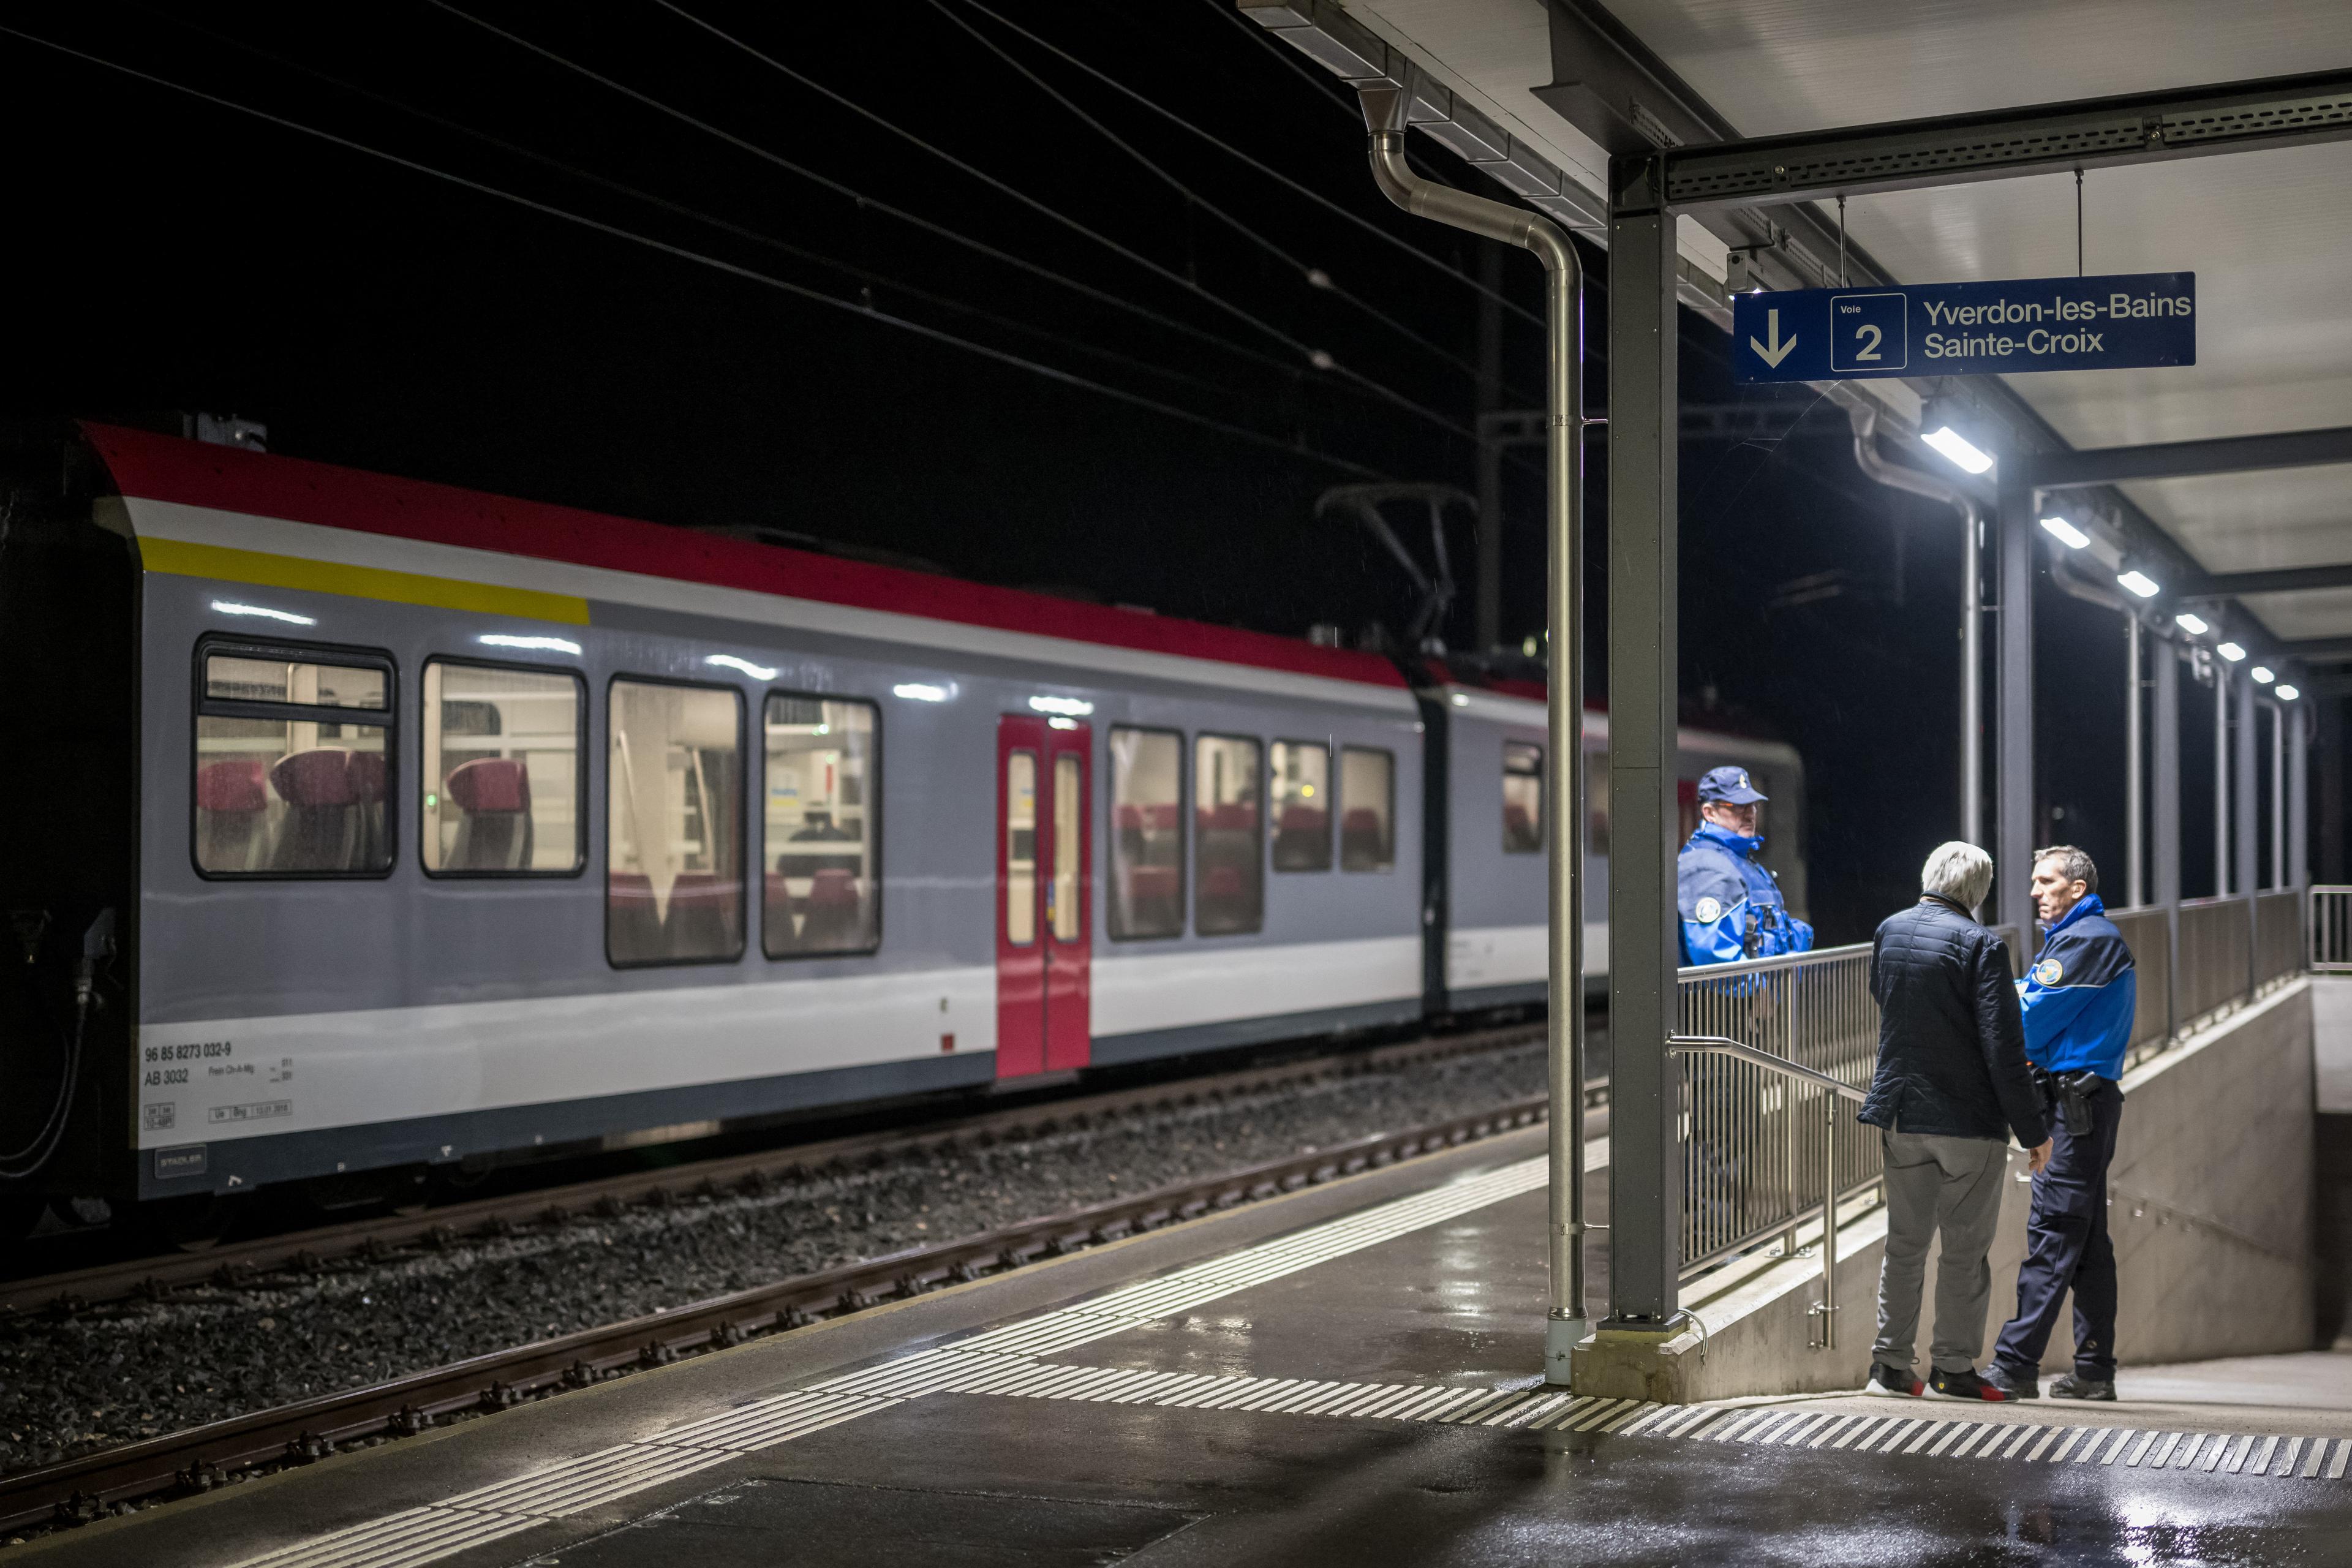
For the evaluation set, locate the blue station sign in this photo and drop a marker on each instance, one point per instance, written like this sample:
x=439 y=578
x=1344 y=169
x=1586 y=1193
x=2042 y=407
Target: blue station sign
x=2124 y=321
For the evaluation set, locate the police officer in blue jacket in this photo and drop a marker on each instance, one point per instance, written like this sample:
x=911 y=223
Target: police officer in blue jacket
x=2079 y=998
x=1731 y=907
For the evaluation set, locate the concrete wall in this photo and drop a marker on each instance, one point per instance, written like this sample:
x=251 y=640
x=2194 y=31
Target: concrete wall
x=2211 y=1198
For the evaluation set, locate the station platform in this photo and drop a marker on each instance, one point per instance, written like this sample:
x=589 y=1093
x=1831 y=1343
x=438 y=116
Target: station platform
x=1346 y=1373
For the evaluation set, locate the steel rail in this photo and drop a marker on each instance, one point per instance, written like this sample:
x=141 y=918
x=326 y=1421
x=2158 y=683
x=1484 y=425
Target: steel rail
x=311 y=1250
x=204 y=1458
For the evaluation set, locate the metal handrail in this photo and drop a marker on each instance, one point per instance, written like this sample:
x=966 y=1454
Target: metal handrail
x=1835 y=1091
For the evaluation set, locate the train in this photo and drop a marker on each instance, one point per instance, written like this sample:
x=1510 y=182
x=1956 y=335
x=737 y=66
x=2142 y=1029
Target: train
x=359 y=828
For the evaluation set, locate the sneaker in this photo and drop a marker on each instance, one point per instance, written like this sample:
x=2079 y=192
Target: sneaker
x=2012 y=1384
x=1899 y=1381
x=1963 y=1385
x=2074 y=1386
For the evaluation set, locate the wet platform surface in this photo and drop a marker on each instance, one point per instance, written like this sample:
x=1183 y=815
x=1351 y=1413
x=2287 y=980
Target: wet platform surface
x=1343 y=1375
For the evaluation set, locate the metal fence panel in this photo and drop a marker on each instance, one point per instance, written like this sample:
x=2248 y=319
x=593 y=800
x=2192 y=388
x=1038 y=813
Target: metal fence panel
x=2329 y=928
x=2278 y=934
x=1754 y=1142
x=2214 y=957
x=2147 y=932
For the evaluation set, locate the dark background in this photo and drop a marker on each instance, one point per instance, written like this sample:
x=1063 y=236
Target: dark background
x=165 y=253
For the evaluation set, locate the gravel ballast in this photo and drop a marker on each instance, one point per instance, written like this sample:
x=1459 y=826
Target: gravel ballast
x=74 y=1385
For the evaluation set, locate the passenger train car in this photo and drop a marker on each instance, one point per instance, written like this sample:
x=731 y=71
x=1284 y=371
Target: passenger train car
x=440 y=827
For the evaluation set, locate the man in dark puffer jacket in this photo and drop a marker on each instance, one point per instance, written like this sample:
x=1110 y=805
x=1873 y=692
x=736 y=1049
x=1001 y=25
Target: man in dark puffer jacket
x=1952 y=1084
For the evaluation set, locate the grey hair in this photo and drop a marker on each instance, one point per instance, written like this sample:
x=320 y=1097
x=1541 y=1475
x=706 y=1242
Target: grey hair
x=1958 y=871
x=2073 y=864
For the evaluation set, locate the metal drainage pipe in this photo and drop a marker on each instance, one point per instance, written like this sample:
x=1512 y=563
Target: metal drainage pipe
x=1384 y=105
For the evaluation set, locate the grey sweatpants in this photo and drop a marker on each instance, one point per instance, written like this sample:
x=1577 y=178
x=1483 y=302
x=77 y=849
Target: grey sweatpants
x=1952 y=1186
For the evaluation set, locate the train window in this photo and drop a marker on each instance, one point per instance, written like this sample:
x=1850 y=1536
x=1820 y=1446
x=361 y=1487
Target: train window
x=1523 y=786
x=502 y=769
x=1301 y=785
x=1061 y=903
x=293 y=753
x=1366 y=810
x=820 y=812
x=1228 y=854
x=673 y=824
x=1020 y=848
x=1146 y=845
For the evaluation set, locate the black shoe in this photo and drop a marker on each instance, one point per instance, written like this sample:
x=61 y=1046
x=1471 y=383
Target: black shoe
x=2012 y=1384
x=2074 y=1386
x=1944 y=1384
x=1900 y=1381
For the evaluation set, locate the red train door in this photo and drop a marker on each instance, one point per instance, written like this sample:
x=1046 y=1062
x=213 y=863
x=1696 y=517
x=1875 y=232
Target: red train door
x=1044 y=929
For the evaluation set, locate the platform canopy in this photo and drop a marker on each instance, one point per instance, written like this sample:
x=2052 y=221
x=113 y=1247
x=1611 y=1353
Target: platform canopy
x=2268 y=233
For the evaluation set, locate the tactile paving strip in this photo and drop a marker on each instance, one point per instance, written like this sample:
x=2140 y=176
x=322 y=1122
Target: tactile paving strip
x=1005 y=1362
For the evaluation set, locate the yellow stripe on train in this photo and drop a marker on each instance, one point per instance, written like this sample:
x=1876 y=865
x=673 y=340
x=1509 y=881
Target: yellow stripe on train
x=261 y=569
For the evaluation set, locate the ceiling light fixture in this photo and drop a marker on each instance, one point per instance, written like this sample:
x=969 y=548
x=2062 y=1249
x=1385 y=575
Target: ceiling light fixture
x=2193 y=625
x=2288 y=694
x=2263 y=677
x=2140 y=583
x=2067 y=535
x=1958 y=449
x=2231 y=652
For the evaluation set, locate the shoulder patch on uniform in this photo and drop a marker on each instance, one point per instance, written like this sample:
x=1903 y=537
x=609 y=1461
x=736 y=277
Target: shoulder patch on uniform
x=2049 y=972
x=1708 y=912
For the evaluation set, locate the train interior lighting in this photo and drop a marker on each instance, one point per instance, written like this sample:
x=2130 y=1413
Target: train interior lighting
x=2140 y=583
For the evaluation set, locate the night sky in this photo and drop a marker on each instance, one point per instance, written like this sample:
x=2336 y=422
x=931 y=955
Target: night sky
x=170 y=254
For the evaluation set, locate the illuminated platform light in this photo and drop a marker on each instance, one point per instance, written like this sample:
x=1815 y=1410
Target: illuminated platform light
x=533 y=645
x=2262 y=674
x=2288 y=693
x=1061 y=724
x=916 y=692
x=231 y=607
x=2066 y=533
x=2231 y=652
x=1958 y=449
x=1068 y=707
x=2140 y=583
x=728 y=661
x=1460 y=700
x=2193 y=625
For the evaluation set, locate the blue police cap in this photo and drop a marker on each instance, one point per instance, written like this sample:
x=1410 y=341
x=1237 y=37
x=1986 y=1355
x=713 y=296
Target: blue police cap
x=1729 y=785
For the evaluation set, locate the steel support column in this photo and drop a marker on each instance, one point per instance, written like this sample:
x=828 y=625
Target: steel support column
x=2298 y=800
x=2243 y=788
x=2013 y=721
x=2134 y=785
x=1644 y=1171
x=2164 y=830
x=2278 y=794
x=2221 y=780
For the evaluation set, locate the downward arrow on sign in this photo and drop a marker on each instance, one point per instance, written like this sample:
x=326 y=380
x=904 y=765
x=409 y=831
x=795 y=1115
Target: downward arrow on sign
x=1778 y=351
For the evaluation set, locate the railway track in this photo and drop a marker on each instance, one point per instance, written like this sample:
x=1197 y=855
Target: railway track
x=199 y=1459
x=374 y=1237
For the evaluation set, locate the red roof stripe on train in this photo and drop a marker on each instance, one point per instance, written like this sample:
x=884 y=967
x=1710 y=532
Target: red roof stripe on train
x=193 y=473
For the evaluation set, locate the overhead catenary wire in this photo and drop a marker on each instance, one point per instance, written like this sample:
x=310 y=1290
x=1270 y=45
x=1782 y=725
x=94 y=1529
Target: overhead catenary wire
x=1268 y=170
x=722 y=225
x=719 y=264
x=1319 y=358
x=1315 y=276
